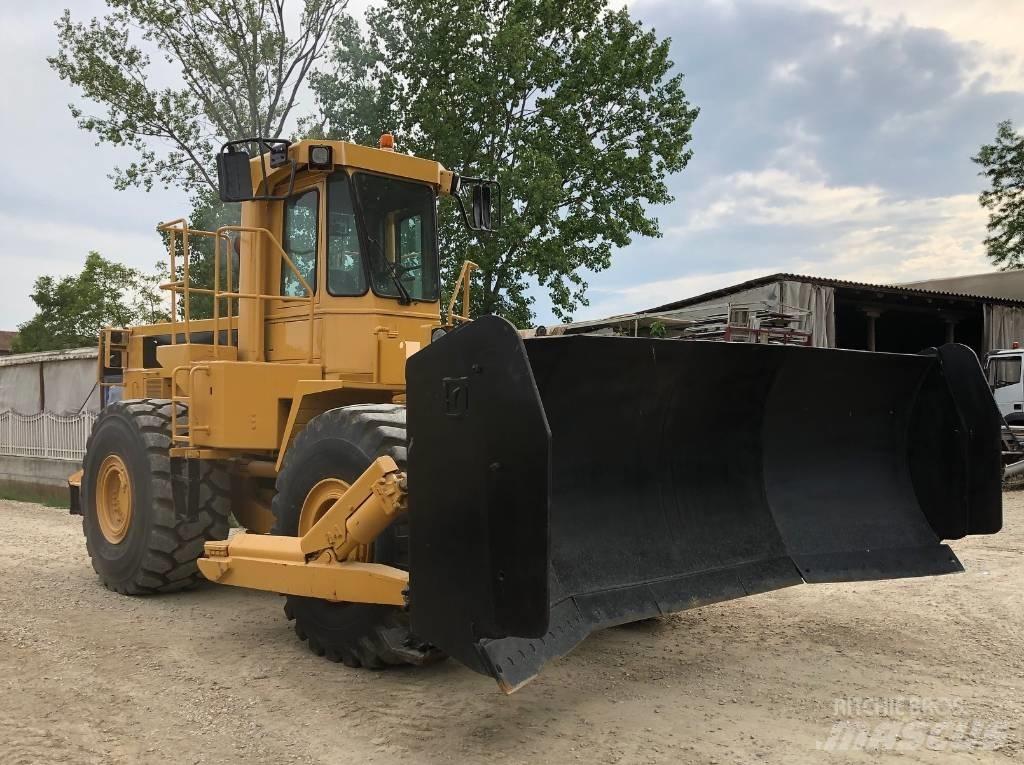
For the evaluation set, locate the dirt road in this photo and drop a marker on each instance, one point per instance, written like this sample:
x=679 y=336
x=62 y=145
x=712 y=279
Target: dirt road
x=808 y=674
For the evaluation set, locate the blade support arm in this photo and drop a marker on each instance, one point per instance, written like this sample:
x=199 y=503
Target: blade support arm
x=315 y=565
x=369 y=506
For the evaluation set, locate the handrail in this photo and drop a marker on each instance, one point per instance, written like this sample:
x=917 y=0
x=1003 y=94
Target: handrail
x=182 y=286
x=175 y=399
x=221 y=232
x=463 y=282
x=184 y=434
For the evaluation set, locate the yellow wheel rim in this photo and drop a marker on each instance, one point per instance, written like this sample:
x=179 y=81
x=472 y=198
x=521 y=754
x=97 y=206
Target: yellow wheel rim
x=114 y=499
x=319 y=500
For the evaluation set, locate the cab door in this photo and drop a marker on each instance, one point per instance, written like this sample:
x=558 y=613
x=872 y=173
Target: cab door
x=300 y=232
x=1004 y=377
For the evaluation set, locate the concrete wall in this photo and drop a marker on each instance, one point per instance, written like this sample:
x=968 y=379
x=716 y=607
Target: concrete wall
x=35 y=479
x=60 y=382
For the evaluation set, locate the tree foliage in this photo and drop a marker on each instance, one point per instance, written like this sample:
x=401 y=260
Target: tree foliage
x=1002 y=164
x=572 y=105
x=208 y=214
x=72 y=310
x=239 y=69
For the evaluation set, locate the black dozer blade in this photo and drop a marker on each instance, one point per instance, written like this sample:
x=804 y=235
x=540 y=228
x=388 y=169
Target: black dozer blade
x=561 y=485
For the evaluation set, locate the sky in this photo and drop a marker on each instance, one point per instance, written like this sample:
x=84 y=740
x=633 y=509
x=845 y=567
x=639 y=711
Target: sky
x=834 y=139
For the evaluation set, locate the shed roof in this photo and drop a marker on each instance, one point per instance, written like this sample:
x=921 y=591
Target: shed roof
x=977 y=288
x=1008 y=285
x=17 y=359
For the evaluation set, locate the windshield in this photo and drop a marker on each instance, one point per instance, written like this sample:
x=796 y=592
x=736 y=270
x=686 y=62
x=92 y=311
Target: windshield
x=398 y=221
x=345 y=272
x=1004 y=371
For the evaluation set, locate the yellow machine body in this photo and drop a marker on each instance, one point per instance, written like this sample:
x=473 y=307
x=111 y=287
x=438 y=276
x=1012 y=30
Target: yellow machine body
x=255 y=373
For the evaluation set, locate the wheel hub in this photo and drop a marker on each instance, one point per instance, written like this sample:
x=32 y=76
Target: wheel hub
x=114 y=499
x=318 y=501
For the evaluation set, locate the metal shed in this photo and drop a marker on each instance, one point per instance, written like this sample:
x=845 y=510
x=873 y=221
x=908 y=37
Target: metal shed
x=984 y=311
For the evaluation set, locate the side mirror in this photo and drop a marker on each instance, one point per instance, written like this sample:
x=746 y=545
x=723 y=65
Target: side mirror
x=486 y=212
x=482 y=207
x=234 y=183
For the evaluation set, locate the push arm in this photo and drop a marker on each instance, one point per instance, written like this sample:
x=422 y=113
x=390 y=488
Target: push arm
x=315 y=565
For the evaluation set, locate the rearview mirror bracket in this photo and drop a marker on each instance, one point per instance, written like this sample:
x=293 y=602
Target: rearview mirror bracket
x=234 y=178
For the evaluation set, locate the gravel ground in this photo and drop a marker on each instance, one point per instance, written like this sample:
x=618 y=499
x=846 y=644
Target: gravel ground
x=933 y=667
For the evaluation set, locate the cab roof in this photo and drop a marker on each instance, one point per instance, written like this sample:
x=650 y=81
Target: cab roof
x=353 y=155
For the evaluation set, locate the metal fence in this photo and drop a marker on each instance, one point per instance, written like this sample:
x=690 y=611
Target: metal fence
x=44 y=435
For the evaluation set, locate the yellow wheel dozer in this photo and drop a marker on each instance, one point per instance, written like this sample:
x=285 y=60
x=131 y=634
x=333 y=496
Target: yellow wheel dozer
x=419 y=486
x=560 y=485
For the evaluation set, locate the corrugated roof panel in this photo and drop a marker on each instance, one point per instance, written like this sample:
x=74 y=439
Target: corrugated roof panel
x=841 y=283
x=34 y=358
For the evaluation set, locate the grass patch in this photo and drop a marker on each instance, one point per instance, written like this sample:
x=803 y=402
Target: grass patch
x=49 y=496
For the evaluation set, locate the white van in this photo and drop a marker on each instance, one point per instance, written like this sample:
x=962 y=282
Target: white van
x=1004 y=377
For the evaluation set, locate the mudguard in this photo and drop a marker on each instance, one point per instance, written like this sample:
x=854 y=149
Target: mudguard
x=560 y=485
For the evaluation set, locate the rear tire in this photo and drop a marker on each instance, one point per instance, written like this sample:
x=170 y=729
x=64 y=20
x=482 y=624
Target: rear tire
x=339 y=445
x=138 y=545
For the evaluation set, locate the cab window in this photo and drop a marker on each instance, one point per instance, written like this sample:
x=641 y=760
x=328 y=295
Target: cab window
x=399 y=234
x=299 y=240
x=1004 y=372
x=345 y=272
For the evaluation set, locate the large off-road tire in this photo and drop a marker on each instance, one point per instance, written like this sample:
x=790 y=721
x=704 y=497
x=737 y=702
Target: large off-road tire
x=328 y=455
x=137 y=543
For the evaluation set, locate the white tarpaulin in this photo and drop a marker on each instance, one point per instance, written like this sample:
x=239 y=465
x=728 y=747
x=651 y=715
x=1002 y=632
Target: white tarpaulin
x=820 y=301
x=1004 y=325
x=60 y=382
x=765 y=293
x=19 y=388
x=70 y=386
x=817 y=300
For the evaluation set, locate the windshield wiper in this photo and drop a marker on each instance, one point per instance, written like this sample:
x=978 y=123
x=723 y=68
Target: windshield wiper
x=392 y=271
x=389 y=268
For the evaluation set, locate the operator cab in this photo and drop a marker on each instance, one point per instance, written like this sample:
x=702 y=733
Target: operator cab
x=377 y=228
x=338 y=251
x=1003 y=369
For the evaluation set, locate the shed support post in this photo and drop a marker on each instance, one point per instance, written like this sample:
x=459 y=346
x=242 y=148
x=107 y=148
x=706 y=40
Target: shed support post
x=872 y=316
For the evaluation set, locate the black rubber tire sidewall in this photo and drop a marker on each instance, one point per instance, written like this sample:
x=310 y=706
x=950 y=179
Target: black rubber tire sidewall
x=342 y=443
x=160 y=548
x=325 y=456
x=333 y=458
x=117 y=434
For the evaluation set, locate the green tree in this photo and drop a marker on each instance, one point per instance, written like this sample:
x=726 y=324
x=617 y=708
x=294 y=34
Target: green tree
x=572 y=105
x=72 y=310
x=240 y=72
x=1002 y=164
x=239 y=69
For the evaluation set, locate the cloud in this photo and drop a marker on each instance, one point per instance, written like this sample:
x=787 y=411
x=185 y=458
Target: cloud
x=57 y=203
x=991 y=27
x=857 y=233
x=33 y=246
x=775 y=197
x=834 y=139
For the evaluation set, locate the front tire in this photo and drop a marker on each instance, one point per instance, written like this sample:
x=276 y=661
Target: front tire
x=331 y=452
x=138 y=545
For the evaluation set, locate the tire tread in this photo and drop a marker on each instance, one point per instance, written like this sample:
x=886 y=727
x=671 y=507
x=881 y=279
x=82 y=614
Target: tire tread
x=173 y=545
x=382 y=636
